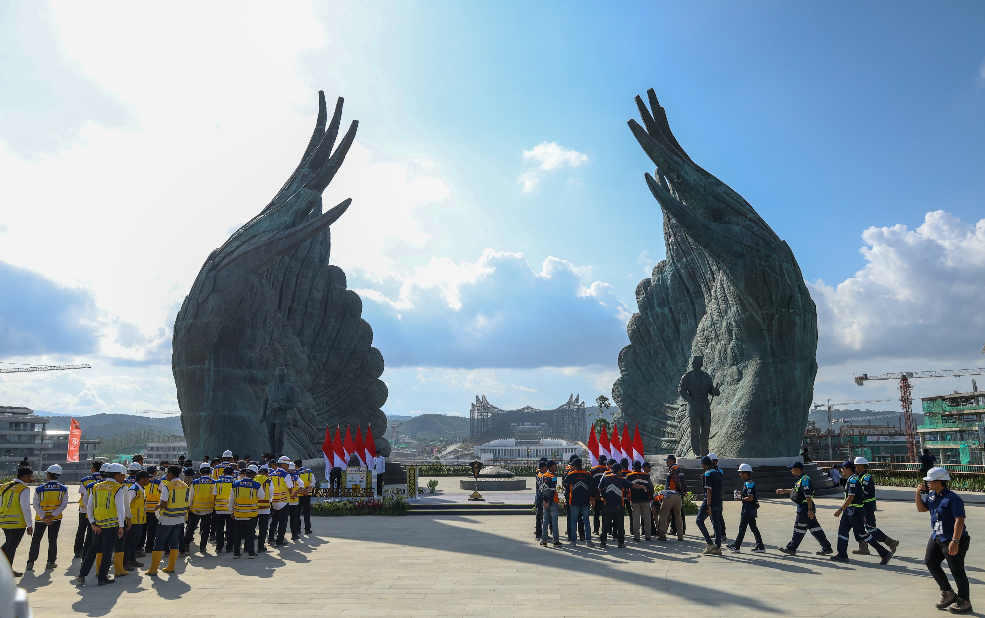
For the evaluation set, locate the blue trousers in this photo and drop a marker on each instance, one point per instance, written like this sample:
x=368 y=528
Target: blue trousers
x=870 y=523
x=716 y=522
x=581 y=513
x=168 y=537
x=550 y=519
x=853 y=519
x=802 y=525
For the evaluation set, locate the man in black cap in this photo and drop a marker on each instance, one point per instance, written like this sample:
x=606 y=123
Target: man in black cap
x=567 y=512
x=539 y=524
x=803 y=494
x=613 y=490
x=580 y=492
x=640 y=497
x=711 y=507
x=597 y=473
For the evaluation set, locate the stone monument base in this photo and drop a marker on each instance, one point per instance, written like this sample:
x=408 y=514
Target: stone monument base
x=769 y=474
x=493 y=484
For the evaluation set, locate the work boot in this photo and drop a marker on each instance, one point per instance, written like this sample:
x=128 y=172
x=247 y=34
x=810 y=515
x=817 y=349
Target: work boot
x=863 y=549
x=172 y=559
x=715 y=551
x=824 y=552
x=590 y=543
x=49 y=566
x=543 y=543
x=960 y=606
x=29 y=566
x=892 y=544
x=732 y=547
x=155 y=561
x=118 y=570
x=103 y=582
x=885 y=559
x=141 y=554
x=661 y=537
x=708 y=548
x=947 y=597
x=788 y=551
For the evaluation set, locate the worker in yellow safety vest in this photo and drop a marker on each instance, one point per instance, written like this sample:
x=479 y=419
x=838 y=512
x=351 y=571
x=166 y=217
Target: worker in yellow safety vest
x=222 y=521
x=203 y=504
x=152 y=497
x=50 y=499
x=281 y=484
x=83 y=536
x=137 y=505
x=294 y=500
x=263 y=507
x=15 y=513
x=175 y=501
x=245 y=501
x=304 y=497
x=107 y=511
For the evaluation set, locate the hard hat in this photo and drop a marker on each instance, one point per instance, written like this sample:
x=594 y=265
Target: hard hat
x=745 y=468
x=252 y=468
x=227 y=453
x=105 y=467
x=284 y=459
x=861 y=461
x=713 y=456
x=937 y=474
x=54 y=469
x=117 y=469
x=135 y=467
x=203 y=465
x=292 y=466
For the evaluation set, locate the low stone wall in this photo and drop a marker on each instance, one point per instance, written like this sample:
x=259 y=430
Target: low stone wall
x=493 y=484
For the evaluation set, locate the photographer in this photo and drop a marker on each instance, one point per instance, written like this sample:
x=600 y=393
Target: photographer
x=949 y=539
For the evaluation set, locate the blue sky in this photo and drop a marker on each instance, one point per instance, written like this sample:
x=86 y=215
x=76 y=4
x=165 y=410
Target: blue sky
x=500 y=222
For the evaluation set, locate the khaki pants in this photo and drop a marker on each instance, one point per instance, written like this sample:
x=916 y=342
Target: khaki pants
x=671 y=504
x=640 y=514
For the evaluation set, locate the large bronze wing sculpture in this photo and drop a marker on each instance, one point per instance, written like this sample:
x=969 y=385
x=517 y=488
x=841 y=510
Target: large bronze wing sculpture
x=268 y=298
x=729 y=290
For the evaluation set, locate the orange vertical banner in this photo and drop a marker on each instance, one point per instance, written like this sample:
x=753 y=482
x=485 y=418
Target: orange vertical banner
x=74 y=440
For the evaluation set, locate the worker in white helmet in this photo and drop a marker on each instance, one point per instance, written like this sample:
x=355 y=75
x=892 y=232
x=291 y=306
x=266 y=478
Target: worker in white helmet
x=949 y=538
x=750 y=504
x=869 y=489
x=50 y=499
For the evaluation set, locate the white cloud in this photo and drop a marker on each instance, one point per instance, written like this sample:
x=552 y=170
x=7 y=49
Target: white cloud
x=920 y=295
x=549 y=156
x=980 y=78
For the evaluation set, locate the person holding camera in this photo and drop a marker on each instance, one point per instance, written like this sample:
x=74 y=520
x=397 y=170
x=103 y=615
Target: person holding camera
x=949 y=539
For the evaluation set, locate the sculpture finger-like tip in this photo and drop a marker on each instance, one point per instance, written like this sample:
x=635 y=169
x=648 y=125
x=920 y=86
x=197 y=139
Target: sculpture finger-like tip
x=322 y=110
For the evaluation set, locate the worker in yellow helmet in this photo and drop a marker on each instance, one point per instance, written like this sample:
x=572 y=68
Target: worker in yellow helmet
x=222 y=521
x=137 y=505
x=175 y=501
x=107 y=512
x=50 y=499
x=15 y=513
x=203 y=505
x=245 y=502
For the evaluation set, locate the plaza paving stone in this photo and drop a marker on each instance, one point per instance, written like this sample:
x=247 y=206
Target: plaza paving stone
x=490 y=565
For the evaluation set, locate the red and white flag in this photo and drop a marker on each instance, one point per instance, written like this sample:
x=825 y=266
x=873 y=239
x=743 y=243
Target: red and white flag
x=638 y=445
x=369 y=445
x=326 y=450
x=348 y=446
x=360 y=448
x=627 y=444
x=338 y=453
x=593 y=448
x=604 y=444
x=614 y=450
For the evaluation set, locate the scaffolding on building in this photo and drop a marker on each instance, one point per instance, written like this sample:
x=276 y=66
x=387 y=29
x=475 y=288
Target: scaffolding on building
x=487 y=422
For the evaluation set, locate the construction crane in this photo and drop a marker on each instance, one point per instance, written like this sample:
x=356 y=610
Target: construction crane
x=906 y=395
x=30 y=368
x=829 y=405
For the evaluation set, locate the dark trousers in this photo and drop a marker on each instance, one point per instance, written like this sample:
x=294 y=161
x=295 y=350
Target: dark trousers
x=379 y=484
x=748 y=519
x=244 y=530
x=168 y=538
x=11 y=539
x=295 y=516
x=263 y=521
x=204 y=523
x=853 y=520
x=802 y=525
x=83 y=536
x=567 y=524
x=870 y=523
x=597 y=514
x=39 y=529
x=150 y=531
x=102 y=543
x=278 y=522
x=539 y=523
x=131 y=541
x=305 y=503
x=937 y=553
x=716 y=523
x=614 y=523
x=222 y=523
x=335 y=479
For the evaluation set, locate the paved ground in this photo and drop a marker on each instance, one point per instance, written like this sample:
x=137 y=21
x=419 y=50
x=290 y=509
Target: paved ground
x=490 y=566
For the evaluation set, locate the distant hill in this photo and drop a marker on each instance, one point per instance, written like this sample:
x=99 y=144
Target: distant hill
x=398 y=417
x=435 y=427
x=108 y=425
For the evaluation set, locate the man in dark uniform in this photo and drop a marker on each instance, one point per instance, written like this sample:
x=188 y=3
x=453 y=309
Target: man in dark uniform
x=711 y=507
x=539 y=525
x=803 y=494
x=580 y=492
x=852 y=513
x=597 y=473
x=641 y=520
x=869 y=487
x=613 y=490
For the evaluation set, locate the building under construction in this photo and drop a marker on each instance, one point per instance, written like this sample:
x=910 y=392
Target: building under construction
x=568 y=422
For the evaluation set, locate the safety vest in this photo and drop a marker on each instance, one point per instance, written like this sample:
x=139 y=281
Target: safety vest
x=11 y=515
x=224 y=488
x=87 y=482
x=309 y=480
x=292 y=497
x=178 y=499
x=203 y=502
x=138 y=506
x=278 y=486
x=219 y=470
x=245 y=503
x=264 y=481
x=104 y=504
x=51 y=494
x=152 y=495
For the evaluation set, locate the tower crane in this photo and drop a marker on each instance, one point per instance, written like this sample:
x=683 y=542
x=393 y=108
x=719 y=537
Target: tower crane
x=829 y=405
x=30 y=368
x=906 y=395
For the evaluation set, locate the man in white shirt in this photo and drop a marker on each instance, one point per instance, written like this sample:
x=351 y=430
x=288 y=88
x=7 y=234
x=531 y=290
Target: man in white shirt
x=15 y=511
x=278 y=504
x=379 y=469
x=106 y=537
x=50 y=499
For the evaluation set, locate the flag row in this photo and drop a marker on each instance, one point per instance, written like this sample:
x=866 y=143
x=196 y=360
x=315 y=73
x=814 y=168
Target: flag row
x=339 y=448
x=616 y=447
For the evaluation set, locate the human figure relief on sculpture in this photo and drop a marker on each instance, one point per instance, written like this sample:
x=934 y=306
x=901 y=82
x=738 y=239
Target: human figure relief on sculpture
x=268 y=298
x=730 y=291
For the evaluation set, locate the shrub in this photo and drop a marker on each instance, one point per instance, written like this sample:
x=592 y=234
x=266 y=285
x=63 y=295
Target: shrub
x=432 y=485
x=390 y=505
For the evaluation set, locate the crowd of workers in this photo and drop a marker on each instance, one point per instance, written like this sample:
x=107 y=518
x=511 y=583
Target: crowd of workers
x=126 y=512
x=611 y=489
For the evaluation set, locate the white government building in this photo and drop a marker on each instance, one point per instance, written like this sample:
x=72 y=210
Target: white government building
x=511 y=448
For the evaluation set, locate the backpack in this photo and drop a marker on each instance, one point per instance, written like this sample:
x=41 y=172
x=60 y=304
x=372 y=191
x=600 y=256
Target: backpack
x=680 y=482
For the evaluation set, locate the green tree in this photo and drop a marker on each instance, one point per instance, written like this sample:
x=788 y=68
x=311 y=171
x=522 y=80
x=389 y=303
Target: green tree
x=601 y=422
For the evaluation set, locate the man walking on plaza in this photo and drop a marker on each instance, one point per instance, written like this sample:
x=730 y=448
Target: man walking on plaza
x=949 y=539
x=539 y=512
x=549 y=500
x=640 y=496
x=673 y=501
x=581 y=492
x=175 y=500
x=107 y=511
x=852 y=513
x=869 y=489
x=803 y=494
x=711 y=507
